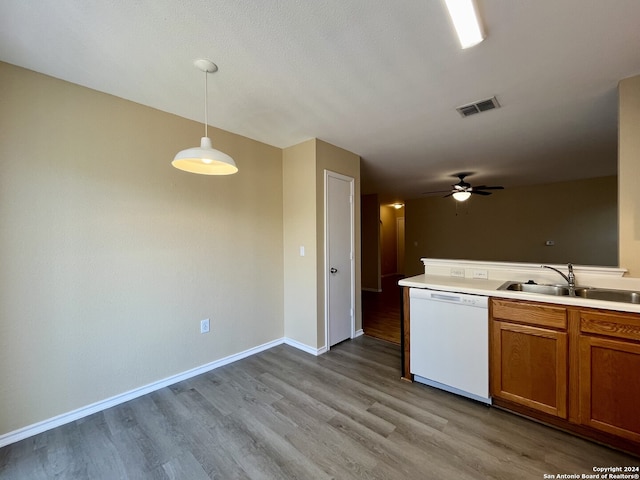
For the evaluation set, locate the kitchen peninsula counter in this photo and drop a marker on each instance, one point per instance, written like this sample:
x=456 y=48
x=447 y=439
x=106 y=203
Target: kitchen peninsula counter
x=437 y=276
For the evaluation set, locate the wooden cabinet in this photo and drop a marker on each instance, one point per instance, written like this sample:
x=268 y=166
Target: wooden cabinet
x=576 y=368
x=529 y=355
x=609 y=373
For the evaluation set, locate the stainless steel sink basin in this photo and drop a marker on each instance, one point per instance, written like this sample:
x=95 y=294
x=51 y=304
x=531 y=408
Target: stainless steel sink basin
x=535 y=288
x=609 y=295
x=605 y=294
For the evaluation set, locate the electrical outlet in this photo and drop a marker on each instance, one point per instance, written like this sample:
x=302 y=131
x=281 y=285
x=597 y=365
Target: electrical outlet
x=480 y=274
x=204 y=326
x=457 y=272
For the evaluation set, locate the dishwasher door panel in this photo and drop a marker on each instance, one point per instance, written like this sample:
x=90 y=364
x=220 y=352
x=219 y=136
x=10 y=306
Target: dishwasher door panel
x=450 y=344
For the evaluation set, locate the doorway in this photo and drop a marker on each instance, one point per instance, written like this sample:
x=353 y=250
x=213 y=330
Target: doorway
x=381 y=308
x=339 y=258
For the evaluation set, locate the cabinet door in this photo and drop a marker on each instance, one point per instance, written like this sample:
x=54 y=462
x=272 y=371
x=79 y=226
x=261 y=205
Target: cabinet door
x=529 y=366
x=610 y=386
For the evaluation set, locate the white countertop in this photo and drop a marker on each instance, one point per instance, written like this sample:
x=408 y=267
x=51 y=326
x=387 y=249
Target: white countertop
x=489 y=288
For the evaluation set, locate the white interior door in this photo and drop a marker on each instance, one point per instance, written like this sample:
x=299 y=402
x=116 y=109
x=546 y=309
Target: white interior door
x=339 y=257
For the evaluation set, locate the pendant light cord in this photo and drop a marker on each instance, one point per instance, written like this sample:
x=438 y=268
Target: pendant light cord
x=206 y=103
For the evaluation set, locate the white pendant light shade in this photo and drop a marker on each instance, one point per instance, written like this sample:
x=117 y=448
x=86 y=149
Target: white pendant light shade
x=205 y=160
x=461 y=196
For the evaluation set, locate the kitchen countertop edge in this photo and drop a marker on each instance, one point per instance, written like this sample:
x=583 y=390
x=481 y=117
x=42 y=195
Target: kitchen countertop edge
x=489 y=288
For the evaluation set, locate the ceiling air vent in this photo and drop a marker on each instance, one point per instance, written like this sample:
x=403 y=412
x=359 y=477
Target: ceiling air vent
x=478 y=107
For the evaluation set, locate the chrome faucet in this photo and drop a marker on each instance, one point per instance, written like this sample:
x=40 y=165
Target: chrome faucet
x=571 y=279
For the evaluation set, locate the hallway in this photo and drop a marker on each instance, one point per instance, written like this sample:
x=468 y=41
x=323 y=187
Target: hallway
x=381 y=311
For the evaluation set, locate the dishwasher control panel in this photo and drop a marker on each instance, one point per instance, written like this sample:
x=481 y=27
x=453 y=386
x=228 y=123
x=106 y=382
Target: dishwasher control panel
x=449 y=297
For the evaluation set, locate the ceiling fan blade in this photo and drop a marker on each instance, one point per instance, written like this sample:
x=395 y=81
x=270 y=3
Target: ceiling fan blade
x=437 y=191
x=463 y=186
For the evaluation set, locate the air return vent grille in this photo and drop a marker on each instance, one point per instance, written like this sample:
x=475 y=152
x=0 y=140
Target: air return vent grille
x=478 y=107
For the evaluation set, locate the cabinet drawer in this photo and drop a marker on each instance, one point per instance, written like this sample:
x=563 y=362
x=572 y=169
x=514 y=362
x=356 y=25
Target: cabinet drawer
x=530 y=313
x=610 y=324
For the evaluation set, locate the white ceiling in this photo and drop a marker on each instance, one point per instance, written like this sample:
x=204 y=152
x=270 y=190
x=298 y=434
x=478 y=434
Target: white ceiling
x=379 y=78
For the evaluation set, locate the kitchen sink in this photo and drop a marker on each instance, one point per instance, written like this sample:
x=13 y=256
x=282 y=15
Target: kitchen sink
x=535 y=288
x=605 y=294
x=609 y=295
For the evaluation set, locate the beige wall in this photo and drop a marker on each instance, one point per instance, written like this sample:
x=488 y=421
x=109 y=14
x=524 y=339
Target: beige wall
x=370 y=224
x=335 y=159
x=303 y=174
x=380 y=236
x=513 y=225
x=389 y=239
x=629 y=174
x=110 y=257
x=300 y=276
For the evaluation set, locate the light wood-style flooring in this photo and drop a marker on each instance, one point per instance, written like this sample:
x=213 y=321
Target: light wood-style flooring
x=284 y=414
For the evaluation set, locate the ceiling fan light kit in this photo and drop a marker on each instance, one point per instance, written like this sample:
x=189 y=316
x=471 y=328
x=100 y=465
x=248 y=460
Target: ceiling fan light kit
x=462 y=190
x=461 y=196
x=205 y=160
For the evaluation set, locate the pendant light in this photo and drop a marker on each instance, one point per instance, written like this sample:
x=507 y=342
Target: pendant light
x=205 y=160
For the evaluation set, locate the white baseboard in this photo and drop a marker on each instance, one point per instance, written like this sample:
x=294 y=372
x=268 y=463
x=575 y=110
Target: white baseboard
x=375 y=290
x=68 y=417
x=324 y=349
x=304 y=347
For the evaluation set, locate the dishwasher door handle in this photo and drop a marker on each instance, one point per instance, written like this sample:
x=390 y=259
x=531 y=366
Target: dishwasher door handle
x=446 y=298
x=453 y=298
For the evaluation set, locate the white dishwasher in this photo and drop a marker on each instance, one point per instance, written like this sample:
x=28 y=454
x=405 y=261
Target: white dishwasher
x=450 y=341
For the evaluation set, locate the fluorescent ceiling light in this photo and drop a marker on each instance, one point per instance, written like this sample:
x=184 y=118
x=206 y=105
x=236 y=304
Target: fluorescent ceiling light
x=465 y=20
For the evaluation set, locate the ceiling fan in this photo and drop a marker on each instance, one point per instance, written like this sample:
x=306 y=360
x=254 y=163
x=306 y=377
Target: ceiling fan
x=462 y=190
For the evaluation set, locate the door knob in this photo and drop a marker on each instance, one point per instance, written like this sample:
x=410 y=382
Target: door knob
x=333 y=270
